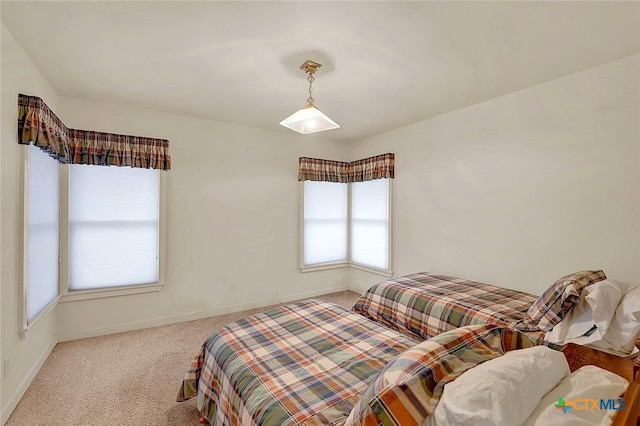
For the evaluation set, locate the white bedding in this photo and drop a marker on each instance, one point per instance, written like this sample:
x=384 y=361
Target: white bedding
x=588 y=382
x=523 y=387
x=502 y=391
x=606 y=318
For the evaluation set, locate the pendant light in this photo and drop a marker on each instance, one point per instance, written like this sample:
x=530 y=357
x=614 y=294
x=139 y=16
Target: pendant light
x=309 y=119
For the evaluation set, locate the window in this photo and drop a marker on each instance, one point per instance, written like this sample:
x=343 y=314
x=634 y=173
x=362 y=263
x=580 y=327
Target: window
x=325 y=222
x=113 y=227
x=346 y=224
x=370 y=223
x=41 y=240
x=91 y=228
x=90 y=231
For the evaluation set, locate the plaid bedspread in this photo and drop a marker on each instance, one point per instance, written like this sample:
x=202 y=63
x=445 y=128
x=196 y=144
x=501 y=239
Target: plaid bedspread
x=302 y=363
x=425 y=305
x=408 y=389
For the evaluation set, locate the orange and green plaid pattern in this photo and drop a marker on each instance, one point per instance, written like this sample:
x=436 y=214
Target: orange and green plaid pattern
x=377 y=167
x=302 y=363
x=109 y=149
x=425 y=305
x=37 y=124
x=549 y=309
x=408 y=389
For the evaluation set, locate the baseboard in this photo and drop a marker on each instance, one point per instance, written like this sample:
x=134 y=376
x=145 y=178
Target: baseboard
x=190 y=316
x=24 y=384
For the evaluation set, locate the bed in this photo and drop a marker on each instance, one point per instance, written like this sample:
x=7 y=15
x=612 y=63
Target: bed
x=302 y=363
x=316 y=363
x=425 y=305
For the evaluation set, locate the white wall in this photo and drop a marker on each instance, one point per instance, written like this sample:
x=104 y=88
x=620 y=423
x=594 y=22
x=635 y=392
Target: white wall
x=515 y=191
x=232 y=220
x=26 y=354
x=522 y=189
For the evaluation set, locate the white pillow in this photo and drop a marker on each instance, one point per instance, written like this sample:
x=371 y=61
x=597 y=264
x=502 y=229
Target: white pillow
x=625 y=325
x=502 y=391
x=627 y=287
x=588 y=382
x=597 y=307
x=603 y=297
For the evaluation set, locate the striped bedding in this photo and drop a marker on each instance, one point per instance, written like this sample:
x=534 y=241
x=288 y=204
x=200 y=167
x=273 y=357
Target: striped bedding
x=425 y=305
x=303 y=363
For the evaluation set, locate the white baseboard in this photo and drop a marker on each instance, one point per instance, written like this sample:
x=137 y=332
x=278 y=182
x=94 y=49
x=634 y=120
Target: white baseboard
x=24 y=384
x=190 y=316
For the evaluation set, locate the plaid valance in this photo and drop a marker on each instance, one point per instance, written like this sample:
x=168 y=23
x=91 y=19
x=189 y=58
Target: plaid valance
x=37 y=124
x=108 y=149
x=378 y=167
x=323 y=170
x=372 y=168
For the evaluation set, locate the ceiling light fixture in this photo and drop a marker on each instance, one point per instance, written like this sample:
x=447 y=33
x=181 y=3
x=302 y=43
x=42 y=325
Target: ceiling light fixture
x=309 y=119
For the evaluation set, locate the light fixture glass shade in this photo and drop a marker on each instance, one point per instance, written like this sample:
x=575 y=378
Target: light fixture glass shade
x=309 y=119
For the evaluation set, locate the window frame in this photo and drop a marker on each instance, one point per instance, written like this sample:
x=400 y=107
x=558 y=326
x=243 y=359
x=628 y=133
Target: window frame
x=324 y=265
x=67 y=295
x=348 y=262
x=64 y=294
x=24 y=246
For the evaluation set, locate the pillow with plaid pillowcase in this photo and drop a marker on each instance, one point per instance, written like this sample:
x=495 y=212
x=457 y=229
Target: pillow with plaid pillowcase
x=556 y=302
x=408 y=388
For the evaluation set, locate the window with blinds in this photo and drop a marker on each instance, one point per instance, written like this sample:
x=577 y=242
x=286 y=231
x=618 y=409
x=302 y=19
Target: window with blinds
x=348 y=223
x=42 y=234
x=370 y=223
x=113 y=227
x=325 y=222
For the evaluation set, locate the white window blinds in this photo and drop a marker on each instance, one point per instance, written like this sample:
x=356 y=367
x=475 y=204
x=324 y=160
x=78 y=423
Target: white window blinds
x=113 y=226
x=42 y=231
x=370 y=223
x=325 y=222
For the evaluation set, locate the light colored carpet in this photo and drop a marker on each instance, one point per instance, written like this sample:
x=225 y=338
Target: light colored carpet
x=124 y=379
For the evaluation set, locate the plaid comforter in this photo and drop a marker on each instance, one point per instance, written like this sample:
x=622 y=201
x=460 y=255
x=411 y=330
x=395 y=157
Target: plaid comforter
x=408 y=389
x=302 y=363
x=426 y=305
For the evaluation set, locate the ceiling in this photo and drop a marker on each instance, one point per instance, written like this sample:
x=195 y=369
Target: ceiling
x=385 y=64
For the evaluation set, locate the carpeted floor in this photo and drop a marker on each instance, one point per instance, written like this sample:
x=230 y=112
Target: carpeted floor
x=124 y=379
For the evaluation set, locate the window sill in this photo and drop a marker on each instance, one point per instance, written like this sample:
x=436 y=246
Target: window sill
x=335 y=265
x=72 y=296
x=323 y=266
x=27 y=325
x=373 y=270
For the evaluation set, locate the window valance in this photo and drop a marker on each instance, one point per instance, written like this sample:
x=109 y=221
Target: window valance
x=37 y=124
x=323 y=170
x=378 y=167
x=372 y=168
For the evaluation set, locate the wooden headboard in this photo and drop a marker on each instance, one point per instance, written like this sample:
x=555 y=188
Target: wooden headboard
x=629 y=368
